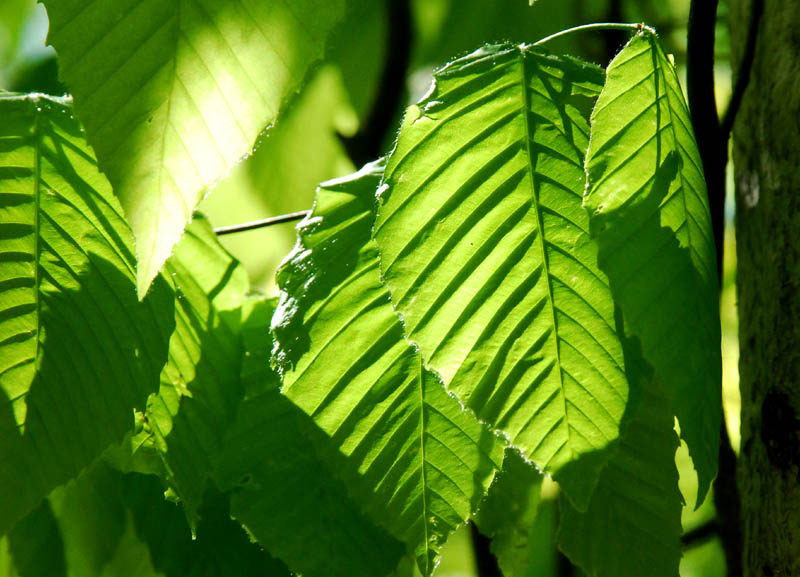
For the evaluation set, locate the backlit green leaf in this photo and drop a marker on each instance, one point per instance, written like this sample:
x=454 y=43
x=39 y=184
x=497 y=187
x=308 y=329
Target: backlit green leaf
x=485 y=249
x=200 y=384
x=508 y=513
x=174 y=92
x=632 y=526
x=283 y=493
x=78 y=350
x=649 y=214
x=420 y=462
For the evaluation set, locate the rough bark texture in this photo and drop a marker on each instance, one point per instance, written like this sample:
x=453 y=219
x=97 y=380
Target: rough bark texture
x=767 y=176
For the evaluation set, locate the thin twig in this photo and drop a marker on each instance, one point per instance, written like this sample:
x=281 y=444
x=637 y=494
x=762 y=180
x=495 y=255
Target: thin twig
x=261 y=223
x=703 y=108
x=700 y=535
x=596 y=26
x=745 y=65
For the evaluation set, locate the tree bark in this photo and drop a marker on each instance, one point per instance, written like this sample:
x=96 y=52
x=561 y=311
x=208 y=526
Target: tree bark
x=766 y=152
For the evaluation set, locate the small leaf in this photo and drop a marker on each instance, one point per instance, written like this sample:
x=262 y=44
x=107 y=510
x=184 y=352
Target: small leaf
x=173 y=93
x=649 y=214
x=78 y=350
x=418 y=462
x=508 y=513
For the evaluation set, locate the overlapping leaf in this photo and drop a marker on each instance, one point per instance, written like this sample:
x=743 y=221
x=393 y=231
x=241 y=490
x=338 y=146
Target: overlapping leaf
x=649 y=214
x=173 y=93
x=283 y=492
x=632 y=526
x=200 y=384
x=421 y=463
x=508 y=513
x=485 y=249
x=106 y=523
x=78 y=351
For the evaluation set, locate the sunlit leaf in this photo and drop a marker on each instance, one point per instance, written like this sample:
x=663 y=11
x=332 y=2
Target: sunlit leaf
x=649 y=214
x=422 y=463
x=173 y=93
x=485 y=249
x=78 y=350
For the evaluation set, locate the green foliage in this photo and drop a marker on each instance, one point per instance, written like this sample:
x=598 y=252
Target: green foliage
x=78 y=350
x=421 y=464
x=649 y=211
x=173 y=94
x=524 y=286
x=486 y=252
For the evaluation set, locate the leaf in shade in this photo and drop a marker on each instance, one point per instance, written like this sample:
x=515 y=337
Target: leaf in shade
x=420 y=463
x=174 y=93
x=508 y=513
x=282 y=492
x=200 y=384
x=78 y=350
x=486 y=252
x=649 y=214
x=632 y=526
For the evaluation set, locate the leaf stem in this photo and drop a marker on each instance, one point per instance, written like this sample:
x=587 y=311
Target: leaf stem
x=640 y=27
x=261 y=223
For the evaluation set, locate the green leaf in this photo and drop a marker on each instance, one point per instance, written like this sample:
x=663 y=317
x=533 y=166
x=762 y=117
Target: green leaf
x=200 y=384
x=632 y=526
x=173 y=93
x=422 y=463
x=649 y=214
x=508 y=514
x=486 y=252
x=116 y=525
x=282 y=492
x=78 y=350
x=35 y=545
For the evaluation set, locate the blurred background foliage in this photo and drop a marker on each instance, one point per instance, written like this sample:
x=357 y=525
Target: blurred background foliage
x=307 y=146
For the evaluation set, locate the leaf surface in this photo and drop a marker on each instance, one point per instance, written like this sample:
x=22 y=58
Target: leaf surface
x=649 y=213
x=485 y=249
x=200 y=385
x=173 y=93
x=420 y=462
x=632 y=526
x=282 y=491
x=508 y=513
x=78 y=350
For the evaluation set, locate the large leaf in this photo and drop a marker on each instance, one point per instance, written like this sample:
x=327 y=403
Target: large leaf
x=173 y=93
x=632 y=526
x=649 y=214
x=284 y=495
x=485 y=250
x=78 y=350
x=422 y=462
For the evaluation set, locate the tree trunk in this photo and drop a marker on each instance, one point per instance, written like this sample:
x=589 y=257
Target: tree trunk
x=766 y=154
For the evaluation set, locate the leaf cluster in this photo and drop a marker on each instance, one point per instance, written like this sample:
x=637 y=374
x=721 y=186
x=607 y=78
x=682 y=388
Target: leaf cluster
x=523 y=288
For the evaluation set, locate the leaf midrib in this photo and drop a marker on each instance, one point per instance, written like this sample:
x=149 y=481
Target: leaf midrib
x=539 y=222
